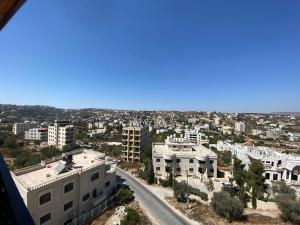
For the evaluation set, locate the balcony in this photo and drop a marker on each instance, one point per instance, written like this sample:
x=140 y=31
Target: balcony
x=98 y=198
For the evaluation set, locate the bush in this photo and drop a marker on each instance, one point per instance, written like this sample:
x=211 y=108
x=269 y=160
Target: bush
x=165 y=183
x=124 y=196
x=290 y=208
x=229 y=207
x=132 y=217
x=280 y=187
x=203 y=196
x=180 y=191
x=210 y=185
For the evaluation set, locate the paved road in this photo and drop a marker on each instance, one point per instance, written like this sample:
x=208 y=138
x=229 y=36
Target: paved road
x=159 y=210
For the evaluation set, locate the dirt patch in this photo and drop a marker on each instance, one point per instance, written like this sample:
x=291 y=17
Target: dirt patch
x=205 y=214
x=105 y=218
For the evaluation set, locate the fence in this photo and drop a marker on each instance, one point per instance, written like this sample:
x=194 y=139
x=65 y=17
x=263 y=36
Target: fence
x=97 y=211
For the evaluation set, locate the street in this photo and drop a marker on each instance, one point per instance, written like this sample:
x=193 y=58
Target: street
x=159 y=211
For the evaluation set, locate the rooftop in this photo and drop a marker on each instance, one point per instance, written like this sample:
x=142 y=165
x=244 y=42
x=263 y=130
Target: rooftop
x=182 y=149
x=48 y=171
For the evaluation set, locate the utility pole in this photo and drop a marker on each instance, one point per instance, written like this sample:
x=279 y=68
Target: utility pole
x=187 y=187
x=173 y=176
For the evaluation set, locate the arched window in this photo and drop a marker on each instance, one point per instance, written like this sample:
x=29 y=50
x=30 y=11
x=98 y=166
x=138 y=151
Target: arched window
x=191 y=161
x=267 y=175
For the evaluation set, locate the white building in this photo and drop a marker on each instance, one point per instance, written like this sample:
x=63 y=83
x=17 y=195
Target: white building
x=60 y=190
x=272 y=134
x=20 y=128
x=37 y=134
x=196 y=137
x=277 y=165
x=217 y=120
x=96 y=132
x=240 y=127
x=224 y=146
x=61 y=133
x=183 y=158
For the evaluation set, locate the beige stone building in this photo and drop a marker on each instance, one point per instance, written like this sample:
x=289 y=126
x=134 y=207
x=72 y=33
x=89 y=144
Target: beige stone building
x=60 y=190
x=20 y=128
x=61 y=133
x=37 y=134
x=184 y=158
x=134 y=141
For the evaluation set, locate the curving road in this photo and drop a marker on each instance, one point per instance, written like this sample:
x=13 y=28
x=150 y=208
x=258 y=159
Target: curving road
x=159 y=210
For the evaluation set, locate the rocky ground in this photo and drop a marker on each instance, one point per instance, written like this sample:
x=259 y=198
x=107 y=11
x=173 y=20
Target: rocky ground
x=114 y=216
x=205 y=214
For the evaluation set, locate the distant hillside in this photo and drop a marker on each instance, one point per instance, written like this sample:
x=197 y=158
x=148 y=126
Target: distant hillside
x=18 y=113
x=296 y=114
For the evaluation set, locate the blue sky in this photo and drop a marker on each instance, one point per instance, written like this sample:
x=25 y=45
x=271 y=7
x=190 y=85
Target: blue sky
x=233 y=56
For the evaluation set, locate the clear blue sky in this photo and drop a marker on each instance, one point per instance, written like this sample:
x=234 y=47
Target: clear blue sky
x=235 y=56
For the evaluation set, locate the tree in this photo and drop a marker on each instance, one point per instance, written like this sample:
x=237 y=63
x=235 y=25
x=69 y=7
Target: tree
x=210 y=185
x=280 y=187
x=256 y=180
x=240 y=177
x=286 y=199
x=180 y=191
x=229 y=207
x=124 y=196
x=150 y=177
x=132 y=217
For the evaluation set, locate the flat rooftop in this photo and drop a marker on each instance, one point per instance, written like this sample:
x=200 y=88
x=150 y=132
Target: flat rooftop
x=196 y=150
x=45 y=172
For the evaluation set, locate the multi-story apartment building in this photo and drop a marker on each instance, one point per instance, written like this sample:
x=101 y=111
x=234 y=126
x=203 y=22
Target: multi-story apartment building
x=20 y=128
x=196 y=137
x=183 y=158
x=240 y=127
x=61 y=133
x=37 y=134
x=134 y=141
x=59 y=190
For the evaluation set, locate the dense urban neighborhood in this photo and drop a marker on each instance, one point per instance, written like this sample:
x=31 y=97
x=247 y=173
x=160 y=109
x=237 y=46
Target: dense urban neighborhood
x=201 y=167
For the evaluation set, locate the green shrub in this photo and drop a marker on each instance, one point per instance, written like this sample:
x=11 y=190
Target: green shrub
x=290 y=208
x=203 y=196
x=229 y=207
x=124 y=196
x=180 y=191
x=132 y=217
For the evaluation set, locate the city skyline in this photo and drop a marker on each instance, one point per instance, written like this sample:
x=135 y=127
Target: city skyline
x=230 y=57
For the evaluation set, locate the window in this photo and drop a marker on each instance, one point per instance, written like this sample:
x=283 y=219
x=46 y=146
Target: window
x=68 y=205
x=85 y=197
x=107 y=184
x=95 y=176
x=157 y=168
x=275 y=176
x=45 y=198
x=191 y=161
x=200 y=170
x=211 y=170
x=178 y=169
x=157 y=160
x=168 y=161
x=45 y=218
x=178 y=160
x=95 y=193
x=201 y=162
x=211 y=161
x=191 y=169
x=69 y=187
x=167 y=169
